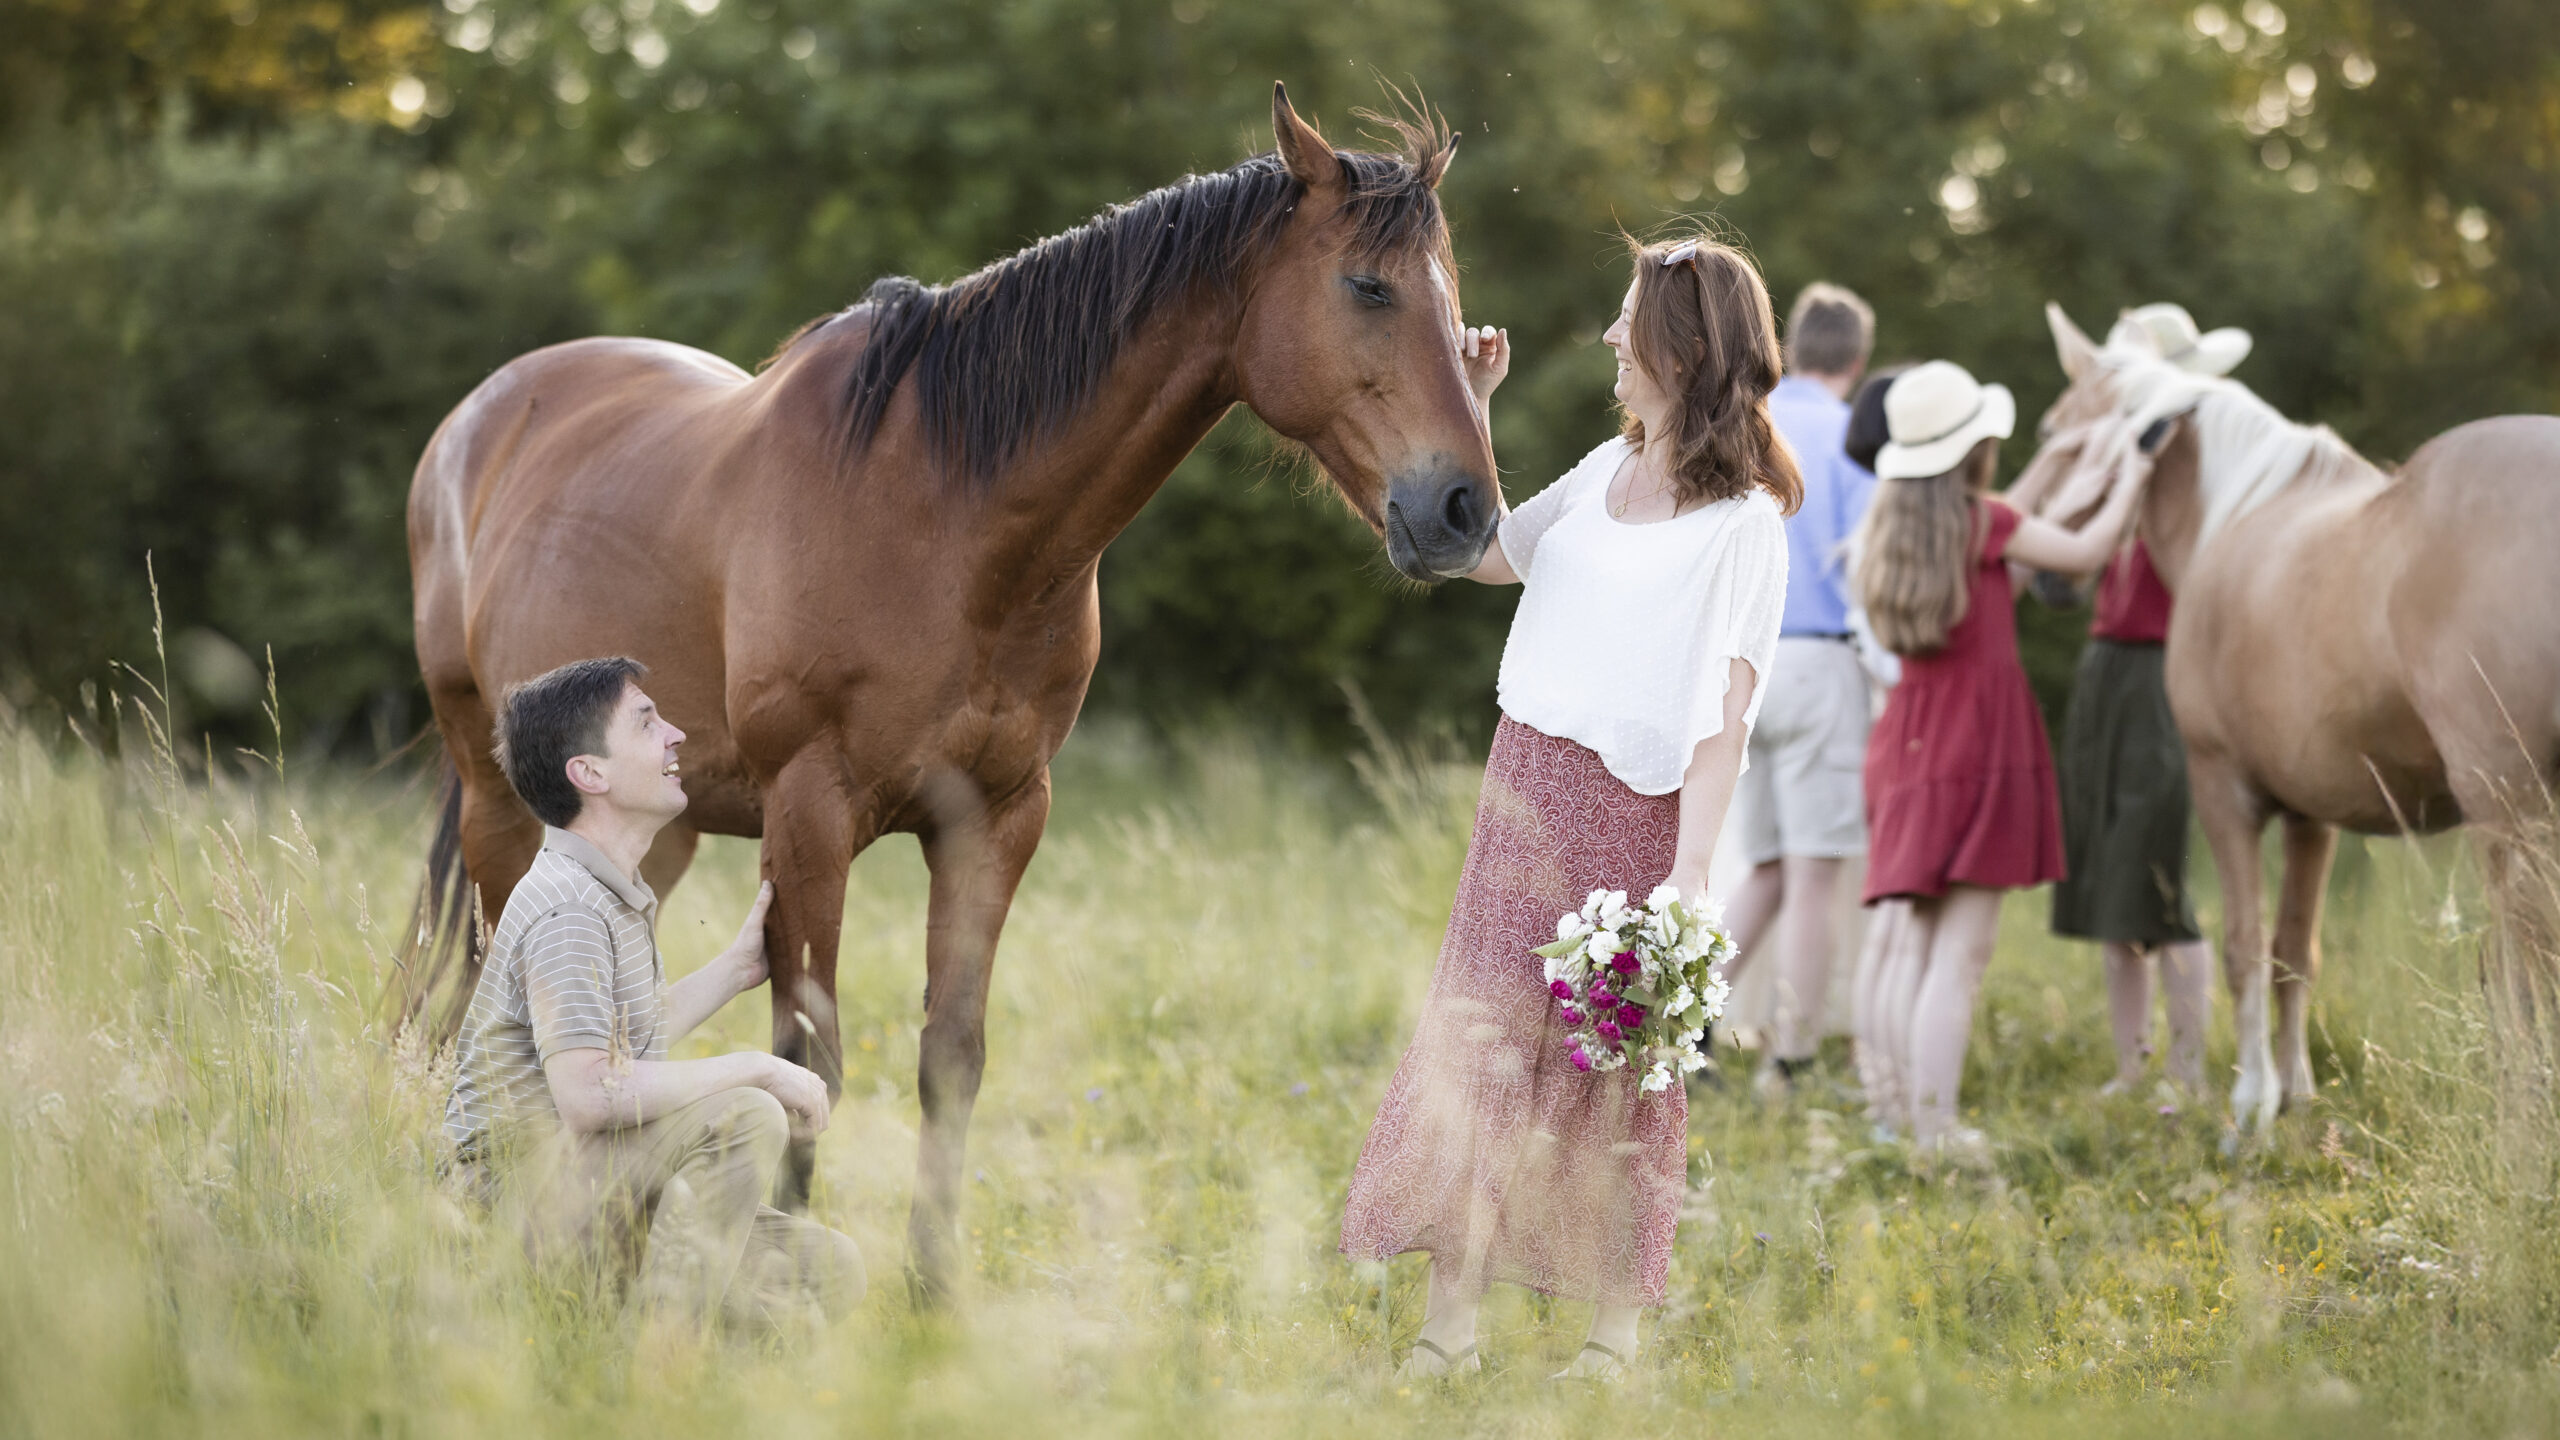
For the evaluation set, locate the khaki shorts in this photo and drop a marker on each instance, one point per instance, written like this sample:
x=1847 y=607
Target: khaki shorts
x=1803 y=794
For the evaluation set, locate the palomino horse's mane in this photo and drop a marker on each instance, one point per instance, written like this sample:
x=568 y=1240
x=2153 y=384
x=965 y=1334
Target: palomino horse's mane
x=1003 y=356
x=2247 y=452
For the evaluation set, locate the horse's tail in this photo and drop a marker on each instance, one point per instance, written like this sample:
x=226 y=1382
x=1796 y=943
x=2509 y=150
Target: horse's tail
x=440 y=959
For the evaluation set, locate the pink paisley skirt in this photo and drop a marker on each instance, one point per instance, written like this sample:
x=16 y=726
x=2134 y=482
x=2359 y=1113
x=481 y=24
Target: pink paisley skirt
x=1490 y=1150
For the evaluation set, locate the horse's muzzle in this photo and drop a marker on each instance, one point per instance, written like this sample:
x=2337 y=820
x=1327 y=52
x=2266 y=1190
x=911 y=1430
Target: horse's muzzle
x=1438 y=524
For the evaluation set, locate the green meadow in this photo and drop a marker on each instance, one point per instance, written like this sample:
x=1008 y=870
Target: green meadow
x=219 y=1213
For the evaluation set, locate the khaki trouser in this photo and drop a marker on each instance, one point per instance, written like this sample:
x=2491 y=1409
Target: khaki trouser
x=677 y=1205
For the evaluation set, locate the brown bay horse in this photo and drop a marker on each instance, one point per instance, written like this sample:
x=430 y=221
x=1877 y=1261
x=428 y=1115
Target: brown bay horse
x=2378 y=652
x=864 y=579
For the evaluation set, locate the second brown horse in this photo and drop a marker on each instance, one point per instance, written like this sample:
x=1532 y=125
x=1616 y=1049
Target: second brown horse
x=864 y=579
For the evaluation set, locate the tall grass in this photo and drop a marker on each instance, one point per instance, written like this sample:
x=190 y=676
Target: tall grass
x=221 y=1215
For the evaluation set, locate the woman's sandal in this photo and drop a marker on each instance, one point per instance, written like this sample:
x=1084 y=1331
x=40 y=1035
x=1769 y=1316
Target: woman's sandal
x=1611 y=1368
x=1441 y=1364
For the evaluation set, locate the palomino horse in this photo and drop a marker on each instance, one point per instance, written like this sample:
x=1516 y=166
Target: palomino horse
x=2350 y=648
x=864 y=579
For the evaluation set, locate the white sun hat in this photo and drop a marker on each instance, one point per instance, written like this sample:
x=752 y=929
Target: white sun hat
x=1936 y=413
x=2171 y=331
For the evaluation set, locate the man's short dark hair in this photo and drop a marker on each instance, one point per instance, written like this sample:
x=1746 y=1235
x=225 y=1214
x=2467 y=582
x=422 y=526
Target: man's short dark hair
x=545 y=722
x=1830 y=331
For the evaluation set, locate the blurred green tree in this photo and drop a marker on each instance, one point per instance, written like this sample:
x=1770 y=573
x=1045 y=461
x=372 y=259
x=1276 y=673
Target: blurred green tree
x=230 y=349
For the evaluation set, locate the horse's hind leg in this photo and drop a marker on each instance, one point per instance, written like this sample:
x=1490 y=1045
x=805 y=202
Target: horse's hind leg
x=2501 y=781
x=812 y=831
x=2233 y=816
x=2309 y=846
x=499 y=836
x=977 y=855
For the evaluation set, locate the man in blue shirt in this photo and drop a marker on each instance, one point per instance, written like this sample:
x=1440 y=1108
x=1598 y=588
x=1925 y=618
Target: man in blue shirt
x=1804 y=814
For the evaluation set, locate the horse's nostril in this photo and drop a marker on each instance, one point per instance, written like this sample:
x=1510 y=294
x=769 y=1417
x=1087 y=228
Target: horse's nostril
x=1458 y=509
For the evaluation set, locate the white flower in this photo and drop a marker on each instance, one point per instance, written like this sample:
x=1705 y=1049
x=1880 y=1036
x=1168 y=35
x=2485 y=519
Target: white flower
x=1657 y=1080
x=1569 y=927
x=1709 y=913
x=1613 y=904
x=1662 y=898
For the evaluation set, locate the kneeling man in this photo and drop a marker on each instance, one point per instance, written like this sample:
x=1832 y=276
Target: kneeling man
x=565 y=1109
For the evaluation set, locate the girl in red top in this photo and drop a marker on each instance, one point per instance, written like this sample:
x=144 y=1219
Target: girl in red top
x=2124 y=828
x=1961 y=803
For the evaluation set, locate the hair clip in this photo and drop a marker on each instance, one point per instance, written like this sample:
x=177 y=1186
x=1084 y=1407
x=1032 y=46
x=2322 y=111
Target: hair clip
x=1687 y=251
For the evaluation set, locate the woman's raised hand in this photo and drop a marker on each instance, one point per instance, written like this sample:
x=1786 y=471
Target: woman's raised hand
x=1486 y=354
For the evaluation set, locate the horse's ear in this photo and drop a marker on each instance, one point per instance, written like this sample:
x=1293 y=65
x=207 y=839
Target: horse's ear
x=2071 y=344
x=1302 y=149
x=1436 y=164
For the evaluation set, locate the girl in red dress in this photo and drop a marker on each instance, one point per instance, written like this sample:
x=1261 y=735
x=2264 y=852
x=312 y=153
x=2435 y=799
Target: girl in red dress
x=1961 y=804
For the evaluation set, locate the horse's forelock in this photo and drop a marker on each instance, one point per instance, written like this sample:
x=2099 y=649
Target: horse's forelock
x=1393 y=197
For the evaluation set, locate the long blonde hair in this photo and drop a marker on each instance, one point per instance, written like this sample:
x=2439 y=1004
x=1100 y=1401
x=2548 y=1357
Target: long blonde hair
x=1915 y=553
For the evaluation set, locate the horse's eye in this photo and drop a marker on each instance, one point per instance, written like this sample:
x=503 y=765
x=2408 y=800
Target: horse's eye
x=1371 y=290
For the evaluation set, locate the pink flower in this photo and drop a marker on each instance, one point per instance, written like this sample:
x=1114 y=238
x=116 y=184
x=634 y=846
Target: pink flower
x=1608 y=1030
x=1561 y=989
x=1571 y=1016
x=1580 y=1060
x=1631 y=1015
x=1625 y=964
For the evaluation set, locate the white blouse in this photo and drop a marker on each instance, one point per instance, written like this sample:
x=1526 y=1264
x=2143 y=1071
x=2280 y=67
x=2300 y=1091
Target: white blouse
x=1625 y=634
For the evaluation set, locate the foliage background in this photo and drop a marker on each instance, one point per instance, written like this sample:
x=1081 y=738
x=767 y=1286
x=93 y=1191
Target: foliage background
x=252 y=250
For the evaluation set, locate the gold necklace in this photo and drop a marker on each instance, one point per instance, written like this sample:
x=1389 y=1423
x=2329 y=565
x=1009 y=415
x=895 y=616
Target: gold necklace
x=1619 y=510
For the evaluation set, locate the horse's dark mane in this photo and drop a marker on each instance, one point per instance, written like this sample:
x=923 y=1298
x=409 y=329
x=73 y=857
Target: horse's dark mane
x=1002 y=357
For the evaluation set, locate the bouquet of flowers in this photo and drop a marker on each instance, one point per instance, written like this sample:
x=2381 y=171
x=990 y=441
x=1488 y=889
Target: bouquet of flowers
x=1639 y=986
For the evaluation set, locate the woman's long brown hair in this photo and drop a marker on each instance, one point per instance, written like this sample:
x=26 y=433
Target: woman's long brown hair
x=1704 y=332
x=1915 y=553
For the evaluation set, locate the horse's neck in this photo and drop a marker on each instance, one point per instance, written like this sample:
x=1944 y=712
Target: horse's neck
x=2210 y=478
x=1074 y=490
x=2172 y=512
x=1045 y=516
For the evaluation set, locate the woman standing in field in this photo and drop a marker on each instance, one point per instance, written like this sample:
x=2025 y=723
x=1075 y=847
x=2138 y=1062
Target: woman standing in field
x=1961 y=803
x=1655 y=572
x=2124 y=777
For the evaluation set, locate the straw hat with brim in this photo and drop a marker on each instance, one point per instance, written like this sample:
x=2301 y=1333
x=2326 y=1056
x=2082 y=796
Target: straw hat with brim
x=2171 y=331
x=1936 y=413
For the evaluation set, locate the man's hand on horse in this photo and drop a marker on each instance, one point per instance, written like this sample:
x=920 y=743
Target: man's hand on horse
x=745 y=955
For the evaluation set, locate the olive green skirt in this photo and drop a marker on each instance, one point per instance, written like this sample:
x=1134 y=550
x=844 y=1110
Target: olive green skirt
x=2124 y=804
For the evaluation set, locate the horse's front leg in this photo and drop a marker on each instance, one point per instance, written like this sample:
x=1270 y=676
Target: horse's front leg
x=2309 y=846
x=813 y=828
x=2233 y=816
x=977 y=854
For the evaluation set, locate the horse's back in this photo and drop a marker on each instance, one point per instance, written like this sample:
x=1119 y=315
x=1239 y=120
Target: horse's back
x=2506 y=459
x=2474 y=602
x=549 y=445
x=528 y=400
x=2479 y=507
